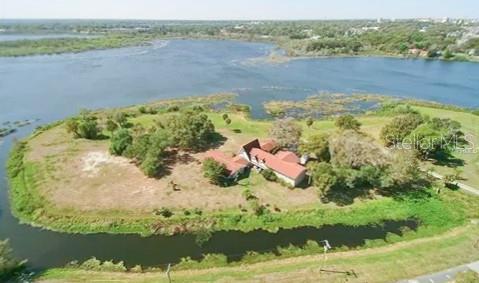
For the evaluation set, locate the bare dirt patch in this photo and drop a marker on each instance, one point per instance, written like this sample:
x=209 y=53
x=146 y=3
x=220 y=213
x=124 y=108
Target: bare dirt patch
x=82 y=175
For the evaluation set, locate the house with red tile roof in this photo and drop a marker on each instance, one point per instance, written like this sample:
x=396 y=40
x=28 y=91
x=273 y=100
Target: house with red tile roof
x=263 y=155
x=285 y=164
x=234 y=165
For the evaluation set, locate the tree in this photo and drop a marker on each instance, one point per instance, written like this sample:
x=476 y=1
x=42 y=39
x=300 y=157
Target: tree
x=120 y=141
x=8 y=264
x=142 y=109
x=318 y=145
x=228 y=121
x=214 y=171
x=148 y=150
x=323 y=177
x=190 y=130
x=72 y=127
x=427 y=140
x=399 y=128
x=84 y=126
x=309 y=122
x=287 y=133
x=403 y=171
x=225 y=116
x=353 y=149
x=153 y=163
x=347 y=122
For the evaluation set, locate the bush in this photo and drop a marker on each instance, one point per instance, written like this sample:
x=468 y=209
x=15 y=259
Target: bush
x=347 y=122
x=120 y=141
x=142 y=109
x=214 y=171
x=84 y=126
x=173 y=108
x=165 y=212
x=269 y=175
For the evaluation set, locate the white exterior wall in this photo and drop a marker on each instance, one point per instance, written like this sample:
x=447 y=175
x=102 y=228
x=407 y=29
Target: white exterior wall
x=260 y=164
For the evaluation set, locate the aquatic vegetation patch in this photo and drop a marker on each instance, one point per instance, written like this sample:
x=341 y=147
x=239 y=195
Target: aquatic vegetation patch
x=326 y=104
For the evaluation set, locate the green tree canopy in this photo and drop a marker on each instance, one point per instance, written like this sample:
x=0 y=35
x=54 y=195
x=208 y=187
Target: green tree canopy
x=347 y=122
x=287 y=133
x=214 y=171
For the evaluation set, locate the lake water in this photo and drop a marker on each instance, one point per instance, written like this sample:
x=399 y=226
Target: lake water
x=54 y=87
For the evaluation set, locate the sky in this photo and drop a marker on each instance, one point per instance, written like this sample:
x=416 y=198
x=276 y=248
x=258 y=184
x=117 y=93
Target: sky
x=236 y=9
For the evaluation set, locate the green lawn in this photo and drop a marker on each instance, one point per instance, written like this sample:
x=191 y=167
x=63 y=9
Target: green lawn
x=470 y=125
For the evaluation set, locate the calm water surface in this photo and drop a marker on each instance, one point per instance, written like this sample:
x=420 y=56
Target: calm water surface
x=53 y=87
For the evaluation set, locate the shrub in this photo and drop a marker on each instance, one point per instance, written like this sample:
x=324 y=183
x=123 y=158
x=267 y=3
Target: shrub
x=142 y=109
x=173 y=108
x=120 y=141
x=214 y=171
x=309 y=121
x=165 y=212
x=347 y=122
x=84 y=126
x=269 y=175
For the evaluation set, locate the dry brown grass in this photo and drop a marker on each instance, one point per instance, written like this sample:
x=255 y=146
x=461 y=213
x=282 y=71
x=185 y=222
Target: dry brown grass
x=82 y=175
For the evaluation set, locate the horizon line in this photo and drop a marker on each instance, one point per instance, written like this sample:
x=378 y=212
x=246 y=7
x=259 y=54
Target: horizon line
x=239 y=20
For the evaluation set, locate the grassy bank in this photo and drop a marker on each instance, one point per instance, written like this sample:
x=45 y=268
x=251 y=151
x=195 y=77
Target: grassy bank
x=383 y=264
x=70 y=45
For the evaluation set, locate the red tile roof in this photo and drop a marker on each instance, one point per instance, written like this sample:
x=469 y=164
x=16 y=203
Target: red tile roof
x=232 y=164
x=288 y=169
x=287 y=156
x=268 y=145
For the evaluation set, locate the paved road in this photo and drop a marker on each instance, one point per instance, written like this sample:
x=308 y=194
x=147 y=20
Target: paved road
x=445 y=275
x=462 y=186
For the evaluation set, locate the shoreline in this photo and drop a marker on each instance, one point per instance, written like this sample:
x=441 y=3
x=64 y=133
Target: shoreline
x=276 y=43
